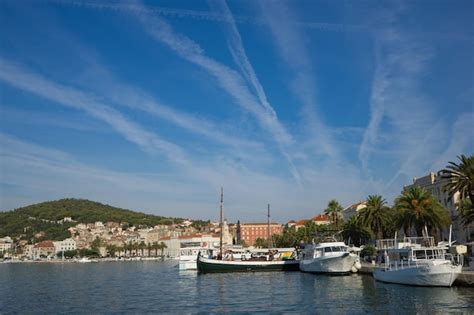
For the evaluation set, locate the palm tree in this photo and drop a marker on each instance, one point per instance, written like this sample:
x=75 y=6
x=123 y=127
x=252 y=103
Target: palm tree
x=156 y=246
x=461 y=178
x=417 y=208
x=334 y=210
x=162 y=248
x=376 y=215
x=354 y=232
x=142 y=247
x=149 y=247
x=466 y=209
x=111 y=249
x=135 y=247
x=119 y=250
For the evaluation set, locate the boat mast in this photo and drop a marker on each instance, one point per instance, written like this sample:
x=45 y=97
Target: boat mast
x=268 y=229
x=221 y=222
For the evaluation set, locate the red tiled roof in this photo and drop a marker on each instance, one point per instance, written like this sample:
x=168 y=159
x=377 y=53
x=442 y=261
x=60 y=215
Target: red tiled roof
x=44 y=244
x=271 y=223
x=321 y=217
x=357 y=204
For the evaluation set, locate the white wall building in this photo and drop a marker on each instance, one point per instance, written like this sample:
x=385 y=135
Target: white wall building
x=174 y=244
x=64 y=245
x=6 y=243
x=352 y=210
x=434 y=184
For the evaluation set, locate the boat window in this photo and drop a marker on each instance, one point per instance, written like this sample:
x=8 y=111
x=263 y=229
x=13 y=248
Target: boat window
x=429 y=254
x=420 y=254
x=403 y=256
x=327 y=249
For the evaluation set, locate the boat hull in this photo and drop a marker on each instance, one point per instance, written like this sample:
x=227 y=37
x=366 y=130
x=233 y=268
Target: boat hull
x=205 y=265
x=332 y=264
x=187 y=265
x=430 y=275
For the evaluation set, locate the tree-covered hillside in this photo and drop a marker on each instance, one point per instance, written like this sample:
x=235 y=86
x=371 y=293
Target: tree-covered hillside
x=27 y=221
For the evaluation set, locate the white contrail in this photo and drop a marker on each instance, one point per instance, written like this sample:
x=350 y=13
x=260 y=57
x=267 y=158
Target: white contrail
x=238 y=53
x=230 y=80
x=19 y=77
x=211 y=16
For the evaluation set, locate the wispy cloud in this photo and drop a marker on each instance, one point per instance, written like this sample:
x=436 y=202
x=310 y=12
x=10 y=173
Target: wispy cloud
x=227 y=78
x=403 y=117
x=125 y=94
x=238 y=53
x=46 y=173
x=201 y=15
x=291 y=47
x=22 y=78
x=43 y=172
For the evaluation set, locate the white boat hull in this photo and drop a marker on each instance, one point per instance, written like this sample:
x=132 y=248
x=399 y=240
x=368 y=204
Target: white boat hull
x=442 y=275
x=330 y=264
x=187 y=265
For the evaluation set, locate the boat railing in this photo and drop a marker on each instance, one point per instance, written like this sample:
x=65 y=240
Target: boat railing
x=427 y=241
x=400 y=264
x=455 y=259
x=411 y=263
x=405 y=242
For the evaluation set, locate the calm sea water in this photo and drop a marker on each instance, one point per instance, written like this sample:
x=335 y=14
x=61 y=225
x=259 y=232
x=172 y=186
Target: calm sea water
x=159 y=287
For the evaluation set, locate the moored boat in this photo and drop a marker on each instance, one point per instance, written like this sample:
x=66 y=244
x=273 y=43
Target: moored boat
x=329 y=257
x=417 y=261
x=273 y=260
x=188 y=257
x=244 y=260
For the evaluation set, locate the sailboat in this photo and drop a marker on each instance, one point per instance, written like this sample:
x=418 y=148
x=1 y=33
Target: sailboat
x=271 y=259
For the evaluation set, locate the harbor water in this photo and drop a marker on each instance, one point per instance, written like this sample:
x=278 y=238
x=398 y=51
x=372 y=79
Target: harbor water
x=159 y=287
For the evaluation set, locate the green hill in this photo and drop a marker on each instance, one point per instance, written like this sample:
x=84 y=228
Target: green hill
x=26 y=222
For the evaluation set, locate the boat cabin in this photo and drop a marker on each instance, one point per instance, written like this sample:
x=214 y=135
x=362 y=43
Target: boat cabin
x=325 y=249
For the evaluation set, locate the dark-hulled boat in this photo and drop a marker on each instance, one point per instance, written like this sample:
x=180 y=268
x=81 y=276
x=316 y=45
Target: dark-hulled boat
x=272 y=260
x=209 y=265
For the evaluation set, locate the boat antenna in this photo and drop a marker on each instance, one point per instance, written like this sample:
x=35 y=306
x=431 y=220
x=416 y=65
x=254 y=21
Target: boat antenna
x=221 y=218
x=268 y=229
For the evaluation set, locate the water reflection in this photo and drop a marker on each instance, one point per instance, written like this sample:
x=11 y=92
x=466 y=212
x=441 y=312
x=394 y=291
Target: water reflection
x=160 y=288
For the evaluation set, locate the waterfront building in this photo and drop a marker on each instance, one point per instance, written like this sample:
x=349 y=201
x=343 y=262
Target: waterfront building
x=249 y=232
x=6 y=244
x=321 y=219
x=353 y=209
x=434 y=184
x=156 y=233
x=64 y=245
x=28 y=251
x=44 y=249
x=296 y=224
x=175 y=243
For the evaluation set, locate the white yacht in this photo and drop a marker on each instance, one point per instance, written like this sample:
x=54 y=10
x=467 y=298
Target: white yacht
x=188 y=256
x=418 y=261
x=329 y=257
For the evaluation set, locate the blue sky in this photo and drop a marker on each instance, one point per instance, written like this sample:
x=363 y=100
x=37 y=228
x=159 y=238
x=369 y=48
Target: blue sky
x=154 y=106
